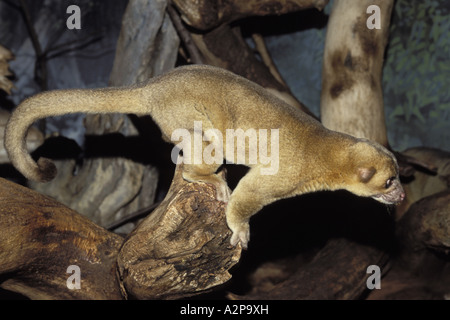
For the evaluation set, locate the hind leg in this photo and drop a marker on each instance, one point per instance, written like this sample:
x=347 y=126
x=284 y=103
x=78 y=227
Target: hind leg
x=202 y=165
x=207 y=173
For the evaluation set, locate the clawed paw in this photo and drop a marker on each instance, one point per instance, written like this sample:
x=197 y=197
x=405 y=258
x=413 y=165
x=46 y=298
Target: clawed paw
x=241 y=234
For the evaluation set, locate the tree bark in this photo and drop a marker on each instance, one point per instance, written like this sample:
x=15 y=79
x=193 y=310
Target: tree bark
x=40 y=238
x=422 y=269
x=425 y=227
x=352 y=94
x=209 y=14
x=182 y=249
x=352 y=98
x=5 y=83
x=337 y=272
x=352 y=102
x=424 y=183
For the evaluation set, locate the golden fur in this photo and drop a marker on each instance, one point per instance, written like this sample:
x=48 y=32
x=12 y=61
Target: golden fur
x=311 y=157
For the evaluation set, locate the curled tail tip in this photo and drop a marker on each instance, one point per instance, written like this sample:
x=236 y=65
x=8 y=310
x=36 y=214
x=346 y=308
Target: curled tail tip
x=46 y=170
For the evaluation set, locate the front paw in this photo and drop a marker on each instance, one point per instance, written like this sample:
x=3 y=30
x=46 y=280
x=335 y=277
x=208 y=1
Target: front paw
x=241 y=233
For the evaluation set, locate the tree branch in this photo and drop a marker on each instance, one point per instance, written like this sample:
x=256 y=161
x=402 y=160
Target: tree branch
x=41 y=63
x=194 y=54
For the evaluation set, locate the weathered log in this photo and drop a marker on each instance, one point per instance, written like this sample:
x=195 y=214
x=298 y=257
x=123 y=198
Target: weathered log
x=338 y=271
x=182 y=249
x=5 y=83
x=424 y=182
x=422 y=269
x=425 y=227
x=208 y=14
x=400 y=284
x=40 y=238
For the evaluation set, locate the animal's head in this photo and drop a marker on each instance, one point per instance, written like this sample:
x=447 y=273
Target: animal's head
x=375 y=173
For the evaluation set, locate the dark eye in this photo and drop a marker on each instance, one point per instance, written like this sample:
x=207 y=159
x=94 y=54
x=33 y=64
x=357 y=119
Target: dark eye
x=389 y=182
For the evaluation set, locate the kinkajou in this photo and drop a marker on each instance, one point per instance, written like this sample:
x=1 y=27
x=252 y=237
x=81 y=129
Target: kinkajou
x=310 y=157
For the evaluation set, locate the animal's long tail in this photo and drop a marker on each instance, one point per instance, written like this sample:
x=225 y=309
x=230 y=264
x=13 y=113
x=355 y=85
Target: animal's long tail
x=54 y=103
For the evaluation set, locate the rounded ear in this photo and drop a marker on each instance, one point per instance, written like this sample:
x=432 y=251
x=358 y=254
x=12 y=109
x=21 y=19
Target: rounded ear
x=365 y=174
